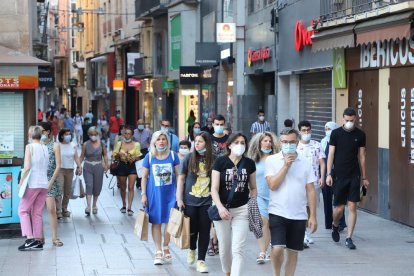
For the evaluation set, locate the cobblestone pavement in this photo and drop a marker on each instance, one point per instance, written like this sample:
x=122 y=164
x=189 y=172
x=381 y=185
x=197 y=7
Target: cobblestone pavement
x=104 y=244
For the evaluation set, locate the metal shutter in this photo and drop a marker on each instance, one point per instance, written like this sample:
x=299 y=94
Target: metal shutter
x=315 y=101
x=12 y=119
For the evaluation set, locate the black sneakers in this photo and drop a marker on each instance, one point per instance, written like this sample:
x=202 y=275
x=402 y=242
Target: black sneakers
x=31 y=244
x=335 y=233
x=350 y=244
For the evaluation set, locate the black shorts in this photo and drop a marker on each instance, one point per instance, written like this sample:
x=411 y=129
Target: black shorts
x=125 y=169
x=346 y=189
x=287 y=233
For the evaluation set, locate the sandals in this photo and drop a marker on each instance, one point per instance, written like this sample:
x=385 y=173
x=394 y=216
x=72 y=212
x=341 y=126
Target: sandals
x=167 y=256
x=130 y=212
x=94 y=210
x=158 y=258
x=57 y=243
x=123 y=210
x=88 y=211
x=216 y=248
x=213 y=249
x=261 y=259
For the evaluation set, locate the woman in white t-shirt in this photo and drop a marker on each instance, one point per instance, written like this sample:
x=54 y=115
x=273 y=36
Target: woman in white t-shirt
x=36 y=159
x=78 y=127
x=69 y=156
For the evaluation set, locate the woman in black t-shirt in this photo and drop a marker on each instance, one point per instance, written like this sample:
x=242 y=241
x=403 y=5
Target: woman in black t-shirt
x=233 y=169
x=193 y=194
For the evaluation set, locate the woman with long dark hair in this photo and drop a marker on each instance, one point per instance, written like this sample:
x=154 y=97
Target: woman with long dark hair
x=194 y=196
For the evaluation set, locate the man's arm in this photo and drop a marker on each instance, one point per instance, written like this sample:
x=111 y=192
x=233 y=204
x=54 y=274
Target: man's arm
x=361 y=158
x=329 y=165
x=311 y=194
x=322 y=167
x=274 y=181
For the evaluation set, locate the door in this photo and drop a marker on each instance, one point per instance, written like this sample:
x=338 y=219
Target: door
x=363 y=96
x=401 y=166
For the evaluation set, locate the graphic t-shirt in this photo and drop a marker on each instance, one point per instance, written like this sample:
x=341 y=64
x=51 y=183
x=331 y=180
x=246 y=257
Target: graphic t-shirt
x=227 y=172
x=312 y=152
x=197 y=186
x=219 y=145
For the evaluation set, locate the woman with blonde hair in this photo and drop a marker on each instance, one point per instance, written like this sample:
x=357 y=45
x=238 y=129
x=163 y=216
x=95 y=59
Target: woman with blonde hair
x=159 y=173
x=263 y=145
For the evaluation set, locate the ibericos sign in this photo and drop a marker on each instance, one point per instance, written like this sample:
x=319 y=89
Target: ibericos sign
x=302 y=36
x=256 y=55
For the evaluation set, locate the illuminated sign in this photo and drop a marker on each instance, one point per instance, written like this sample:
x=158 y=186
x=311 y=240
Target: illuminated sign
x=118 y=85
x=226 y=32
x=256 y=55
x=19 y=82
x=302 y=36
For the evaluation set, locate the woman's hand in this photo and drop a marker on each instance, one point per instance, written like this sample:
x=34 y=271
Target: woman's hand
x=224 y=213
x=144 y=200
x=78 y=171
x=180 y=204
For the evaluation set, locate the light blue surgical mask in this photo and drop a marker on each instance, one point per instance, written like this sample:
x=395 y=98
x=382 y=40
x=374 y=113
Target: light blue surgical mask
x=67 y=138
x=328 y=133
x=202 y=151
x=141 y=127
x=288 y=148
x=161 y=149
x=306 y=137
x=219 y=129
x=166 y=129
x=196 y=130
x=127 y=140
x=267 y=151
x=43 y=138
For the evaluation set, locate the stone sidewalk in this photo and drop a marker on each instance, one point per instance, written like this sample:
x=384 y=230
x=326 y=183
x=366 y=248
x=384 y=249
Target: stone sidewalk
x=104 y=244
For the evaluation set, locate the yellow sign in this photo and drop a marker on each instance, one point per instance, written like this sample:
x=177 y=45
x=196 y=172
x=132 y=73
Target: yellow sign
x=118 y=85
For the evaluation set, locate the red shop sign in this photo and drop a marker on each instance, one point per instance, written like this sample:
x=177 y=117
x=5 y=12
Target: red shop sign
x=302 y=36
x=134 y=82
x=261 y=54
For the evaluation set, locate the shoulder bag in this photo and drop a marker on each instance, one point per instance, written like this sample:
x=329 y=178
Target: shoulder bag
x=212 y=211
x=114 y=167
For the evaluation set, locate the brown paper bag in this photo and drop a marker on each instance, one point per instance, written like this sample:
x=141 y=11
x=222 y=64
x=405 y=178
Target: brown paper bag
x=175 y=223
x=141 y=225
x=183 y=241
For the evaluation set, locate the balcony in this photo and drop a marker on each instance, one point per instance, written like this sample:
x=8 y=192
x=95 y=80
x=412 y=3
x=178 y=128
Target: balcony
x=150 y=8
x=339 y=9
x=143 y=67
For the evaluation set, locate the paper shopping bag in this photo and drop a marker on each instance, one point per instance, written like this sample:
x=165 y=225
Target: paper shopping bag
x=175 y=222
x=183 y=241
x=141 y=225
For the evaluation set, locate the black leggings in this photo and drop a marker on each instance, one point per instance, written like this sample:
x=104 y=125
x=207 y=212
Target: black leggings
x=199 y=228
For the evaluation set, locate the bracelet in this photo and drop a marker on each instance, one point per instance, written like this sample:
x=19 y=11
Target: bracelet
x=142 y=193
x=328 y=174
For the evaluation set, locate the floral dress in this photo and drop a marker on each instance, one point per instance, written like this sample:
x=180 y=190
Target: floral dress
x=55 y=190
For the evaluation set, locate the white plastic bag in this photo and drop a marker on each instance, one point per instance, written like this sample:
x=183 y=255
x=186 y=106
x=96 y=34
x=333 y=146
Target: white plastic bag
x=75 y=187
x=138 y=166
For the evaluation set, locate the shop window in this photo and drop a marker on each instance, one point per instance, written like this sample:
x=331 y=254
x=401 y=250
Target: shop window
x=12 y=132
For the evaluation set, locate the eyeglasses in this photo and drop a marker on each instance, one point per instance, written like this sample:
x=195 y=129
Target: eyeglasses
x=291 y=142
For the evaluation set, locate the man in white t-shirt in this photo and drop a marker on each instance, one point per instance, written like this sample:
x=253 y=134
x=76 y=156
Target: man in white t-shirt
x=291 y=182
x=313 y=152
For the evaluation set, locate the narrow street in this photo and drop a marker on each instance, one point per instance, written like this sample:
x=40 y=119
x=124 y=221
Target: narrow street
x=104 y=244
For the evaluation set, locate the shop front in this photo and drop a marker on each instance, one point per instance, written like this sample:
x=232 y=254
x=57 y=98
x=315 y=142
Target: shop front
x=19 y=85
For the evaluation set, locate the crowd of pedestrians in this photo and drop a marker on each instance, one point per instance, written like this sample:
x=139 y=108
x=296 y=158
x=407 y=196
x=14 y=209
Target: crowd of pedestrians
x=224 y=182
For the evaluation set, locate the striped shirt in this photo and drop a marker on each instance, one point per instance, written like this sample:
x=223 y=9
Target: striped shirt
x=143 y=138
x=259 y=127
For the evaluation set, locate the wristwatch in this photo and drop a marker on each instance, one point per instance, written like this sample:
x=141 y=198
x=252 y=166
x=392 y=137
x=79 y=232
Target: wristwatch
x=328 y=174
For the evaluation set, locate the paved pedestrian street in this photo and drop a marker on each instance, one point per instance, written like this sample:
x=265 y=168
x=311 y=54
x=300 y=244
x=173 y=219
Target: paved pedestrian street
x=104 y=244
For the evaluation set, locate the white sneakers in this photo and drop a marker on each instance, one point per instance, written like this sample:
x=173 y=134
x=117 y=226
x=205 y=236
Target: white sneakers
x=202 y=267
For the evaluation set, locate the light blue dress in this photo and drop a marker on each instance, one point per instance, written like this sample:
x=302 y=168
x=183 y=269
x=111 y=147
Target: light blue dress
x=161 y=187
x=262 y=190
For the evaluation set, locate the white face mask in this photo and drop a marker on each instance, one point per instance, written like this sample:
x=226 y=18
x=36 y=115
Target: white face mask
x=93 y=138
x=349 y=125
x=261 y=118
x=238 y=149
x=184 y=151
x=306 y=137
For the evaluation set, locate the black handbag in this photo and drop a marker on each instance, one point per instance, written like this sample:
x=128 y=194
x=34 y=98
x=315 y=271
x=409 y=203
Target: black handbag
x=212 y=211
x=113 y=169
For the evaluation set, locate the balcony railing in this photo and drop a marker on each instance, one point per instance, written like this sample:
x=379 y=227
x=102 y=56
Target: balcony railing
x=150 y=8
x=335 y=9
x=143 y=66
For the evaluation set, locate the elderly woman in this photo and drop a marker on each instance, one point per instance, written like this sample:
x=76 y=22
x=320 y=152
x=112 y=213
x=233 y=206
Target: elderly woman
x=233 y=173
x=96 y=163
x=159 y=173
x=36 y=159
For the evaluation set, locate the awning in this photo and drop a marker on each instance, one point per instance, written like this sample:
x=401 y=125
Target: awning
x=79 y=64
x=124 y=42
x=341 y=37
x=99 y=59
x=15 y=58
x=385 y=28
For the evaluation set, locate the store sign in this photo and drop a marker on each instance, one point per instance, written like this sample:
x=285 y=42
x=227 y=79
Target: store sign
x=72 y=82
x=118 y=85
x=302 y=36
x=134 y=82
x=256 y=55
x=168 y=85
x=407 y=120
x=226 y=32
x=208 y=75
x=207 y=53
x=339 y=75
x=175 y=43
x=387 y=54
x=19 y=82
x=189 y=74
x=46 y=79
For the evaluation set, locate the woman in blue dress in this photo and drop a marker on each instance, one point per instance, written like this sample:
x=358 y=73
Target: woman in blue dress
x=159 y=172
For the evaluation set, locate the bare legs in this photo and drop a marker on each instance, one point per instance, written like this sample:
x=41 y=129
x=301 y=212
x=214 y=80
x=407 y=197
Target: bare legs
x=51 y=210
x=122 y=186
x=277 y=261
x=265 y=240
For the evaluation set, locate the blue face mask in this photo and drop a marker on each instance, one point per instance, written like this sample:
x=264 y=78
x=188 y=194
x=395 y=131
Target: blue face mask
x=202 y=151
x=161 y=149
x=328 y=133
x=288 y=148
x=219 y=129
x=196 y=130
x=166 y=129
x=67 y=138
x=141 y=127
x=43 y=138
x=267 y=151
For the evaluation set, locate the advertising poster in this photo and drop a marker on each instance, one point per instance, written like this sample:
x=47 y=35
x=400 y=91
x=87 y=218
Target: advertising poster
x=9 y=199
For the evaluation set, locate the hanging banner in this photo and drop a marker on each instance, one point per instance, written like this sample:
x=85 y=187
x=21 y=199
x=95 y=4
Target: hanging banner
x=339 y=75
x=175 y=41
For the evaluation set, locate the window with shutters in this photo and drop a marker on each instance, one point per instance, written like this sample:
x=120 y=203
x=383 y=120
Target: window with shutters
x=12 y=120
